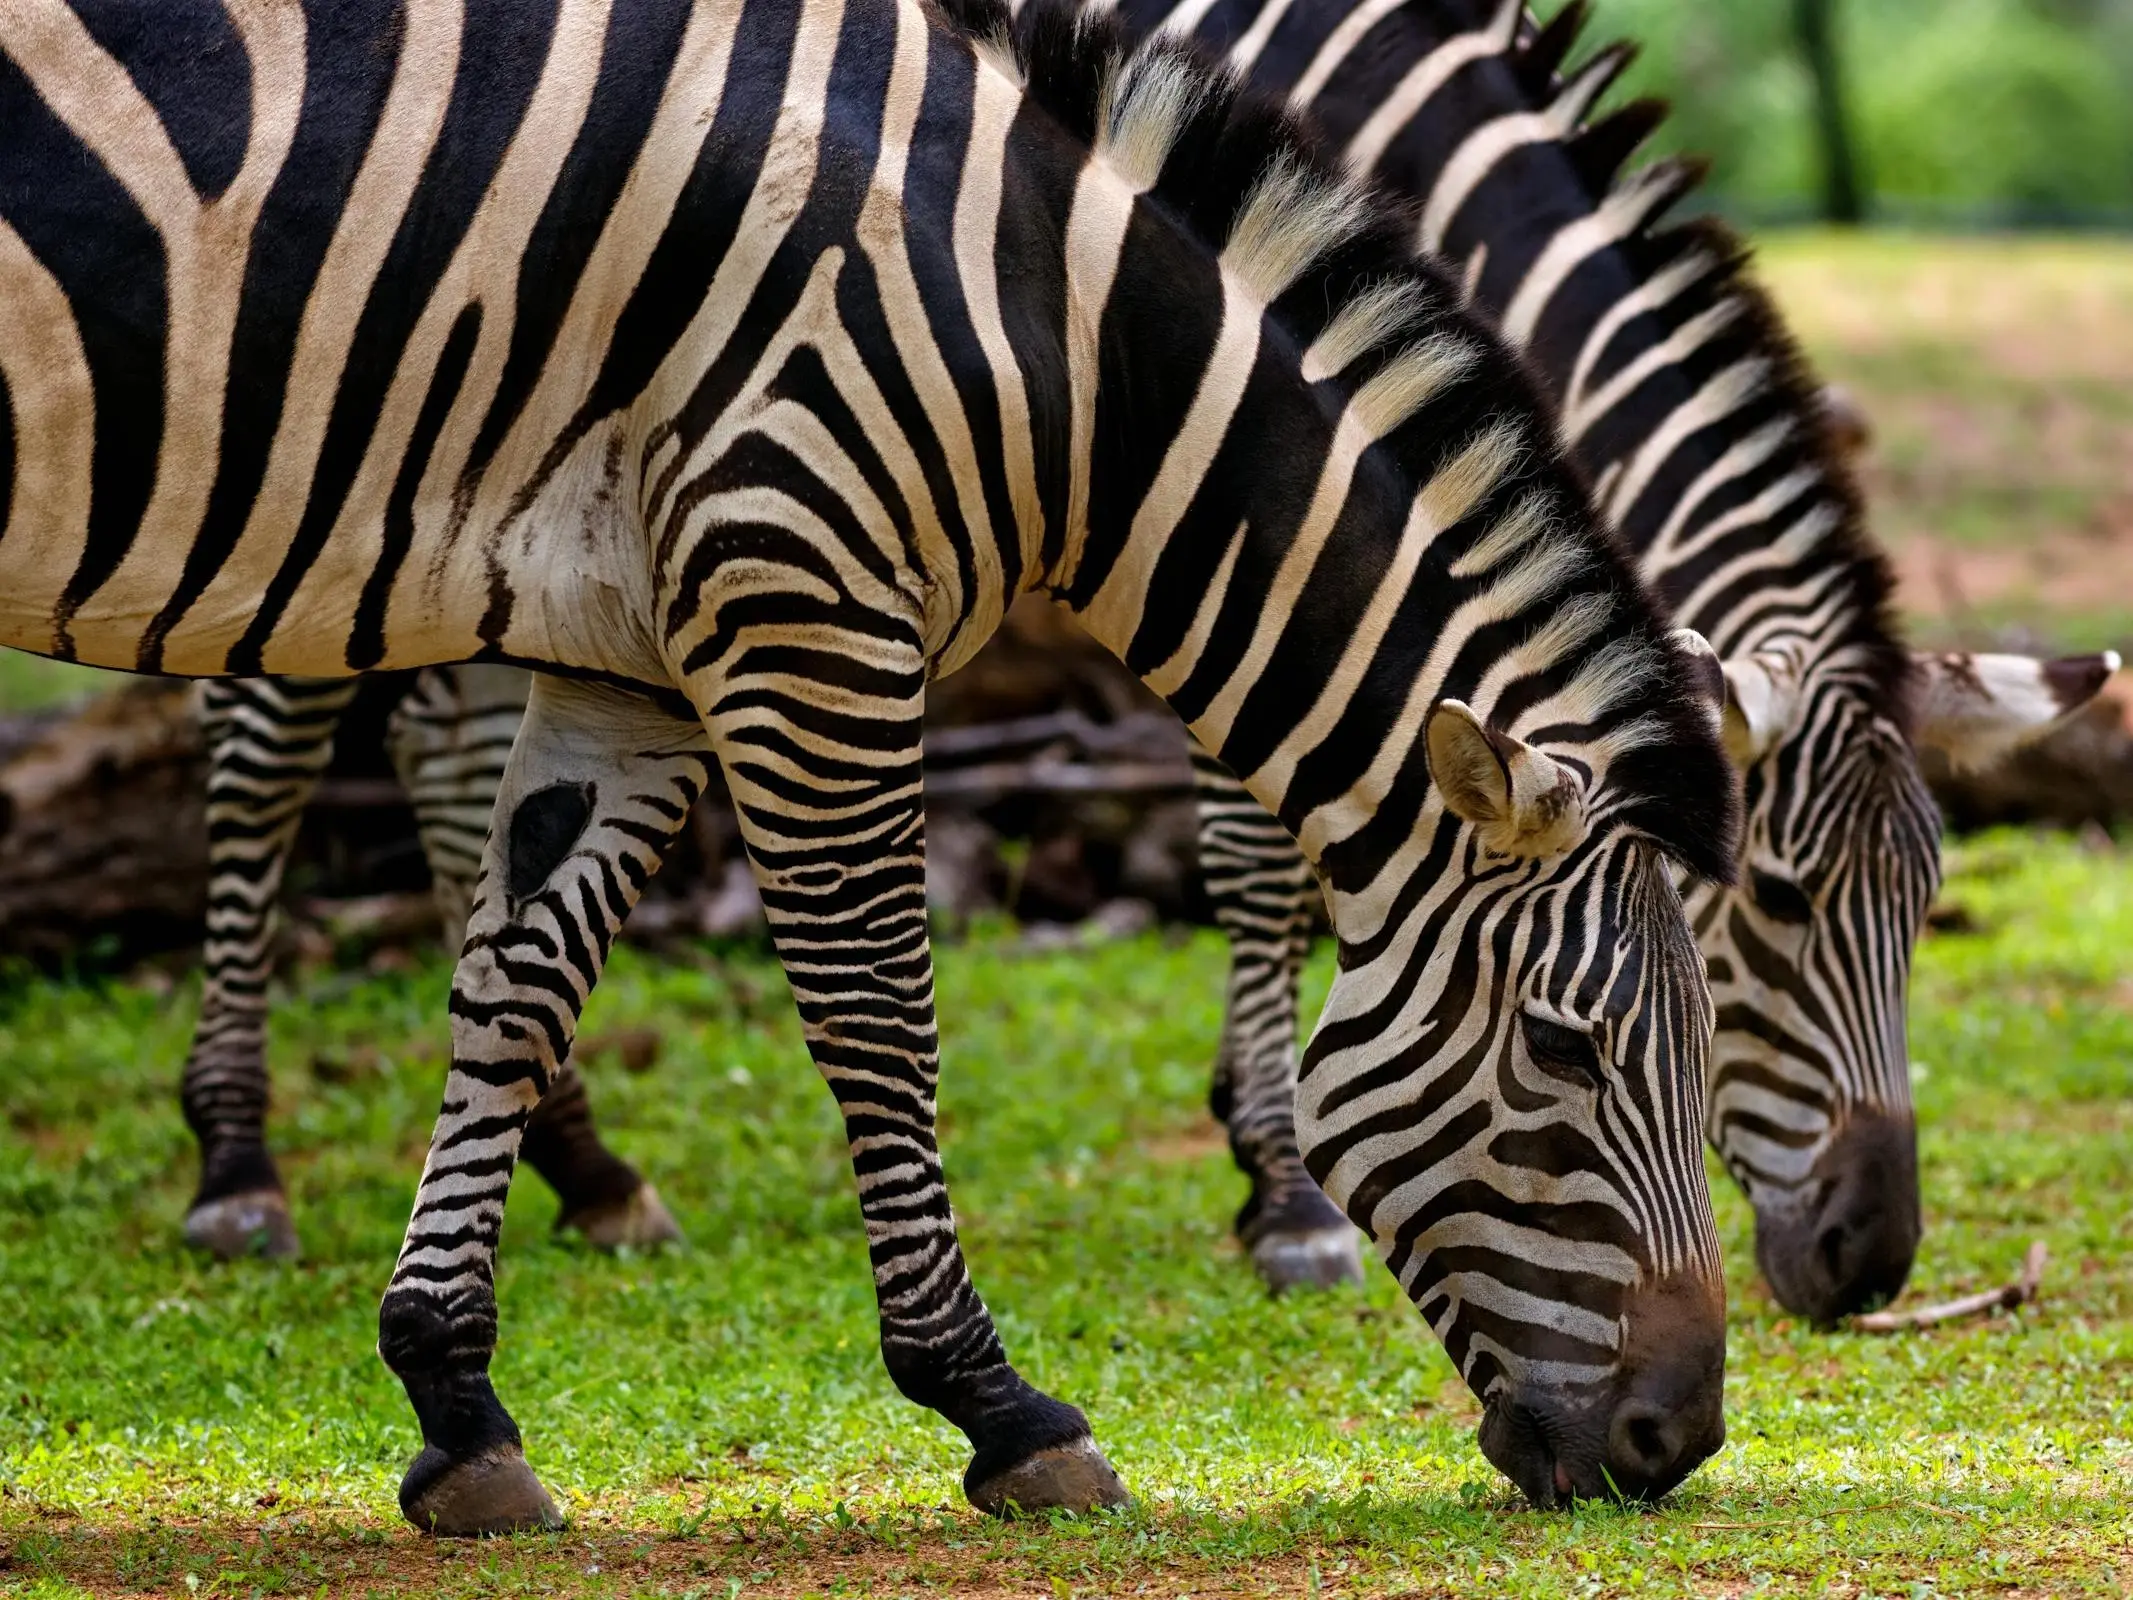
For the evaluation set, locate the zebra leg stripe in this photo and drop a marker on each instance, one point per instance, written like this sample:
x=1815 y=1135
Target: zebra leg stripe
x=828 y=791
x=598 y=785
x=1260 y=887
x=449 y=738
x=268 y=740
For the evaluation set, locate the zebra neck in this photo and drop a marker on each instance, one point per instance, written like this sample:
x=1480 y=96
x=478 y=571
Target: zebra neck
x=1682 y=397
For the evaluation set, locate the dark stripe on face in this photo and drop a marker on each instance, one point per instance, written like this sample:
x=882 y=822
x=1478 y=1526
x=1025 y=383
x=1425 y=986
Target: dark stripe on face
x=350 y=54
x=502 y=50
x=87 y=232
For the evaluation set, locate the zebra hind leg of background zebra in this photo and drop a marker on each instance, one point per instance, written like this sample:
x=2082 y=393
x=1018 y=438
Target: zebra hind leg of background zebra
x=1262 y=891
x=268 y=741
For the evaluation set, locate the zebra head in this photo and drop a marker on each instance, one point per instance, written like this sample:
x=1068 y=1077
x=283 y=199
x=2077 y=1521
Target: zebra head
x=1506 y=1091
x=1810 y=951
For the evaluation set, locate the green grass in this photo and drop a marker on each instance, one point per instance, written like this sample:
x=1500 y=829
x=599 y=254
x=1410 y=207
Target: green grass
x=720 y=1417
x=29 y=682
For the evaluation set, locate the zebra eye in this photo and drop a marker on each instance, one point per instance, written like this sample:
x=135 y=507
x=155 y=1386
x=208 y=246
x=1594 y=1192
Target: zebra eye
x=1562 y=1052
x=1780 y=898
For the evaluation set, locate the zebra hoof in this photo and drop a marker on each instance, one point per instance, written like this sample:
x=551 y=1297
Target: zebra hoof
x=639 y=1222
x=1316 y=1259
x=1067 y=1477
x=494 y=1492
x=255 y=1223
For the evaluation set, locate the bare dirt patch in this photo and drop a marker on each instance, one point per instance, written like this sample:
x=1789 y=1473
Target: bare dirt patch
x=712 y=1564
x=1998 y=376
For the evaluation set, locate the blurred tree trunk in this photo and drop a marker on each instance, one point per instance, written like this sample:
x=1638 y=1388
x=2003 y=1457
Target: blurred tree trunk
x=1843 y=194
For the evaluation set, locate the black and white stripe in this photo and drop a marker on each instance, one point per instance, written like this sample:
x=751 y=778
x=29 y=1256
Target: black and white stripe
x=736 y=363
x=1688 y=406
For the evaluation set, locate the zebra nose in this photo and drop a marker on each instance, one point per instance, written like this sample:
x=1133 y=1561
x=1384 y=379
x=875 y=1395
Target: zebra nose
x=1660 y=1417
x=1669 y=1412
x=1851 y=1247
x=1644 y=1442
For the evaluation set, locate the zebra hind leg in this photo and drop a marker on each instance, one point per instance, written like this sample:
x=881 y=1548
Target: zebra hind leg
x=826 y=782
x=1260 y=888
x=597 y=787
x=268 y=741
x=449 y=738
x=606 y=1201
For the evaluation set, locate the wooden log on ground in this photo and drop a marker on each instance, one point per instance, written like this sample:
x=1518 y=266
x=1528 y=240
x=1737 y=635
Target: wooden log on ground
x=103 y=833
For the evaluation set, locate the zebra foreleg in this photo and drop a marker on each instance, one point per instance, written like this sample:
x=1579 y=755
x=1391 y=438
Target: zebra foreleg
x=1260 y=888
x=268 y=741
x=449 y=738
x=598 y=785
x=826 y=782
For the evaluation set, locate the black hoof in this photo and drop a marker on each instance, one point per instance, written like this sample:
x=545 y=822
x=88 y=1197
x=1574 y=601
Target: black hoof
x=1315 y=1259
x=494 y=1492
x=254 y=1223
x=1072 y=1477
x=640 y=1222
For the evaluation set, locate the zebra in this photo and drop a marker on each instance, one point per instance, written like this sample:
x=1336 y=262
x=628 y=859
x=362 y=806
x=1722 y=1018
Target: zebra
x=268 y=741
x=734 y=362
x=1686 y=402
x=1810 y=1108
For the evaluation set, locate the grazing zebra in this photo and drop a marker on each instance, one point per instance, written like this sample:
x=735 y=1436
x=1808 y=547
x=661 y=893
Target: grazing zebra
x=1678 y=373
x=737 y=362
x=1689 y=408
x=268 y=741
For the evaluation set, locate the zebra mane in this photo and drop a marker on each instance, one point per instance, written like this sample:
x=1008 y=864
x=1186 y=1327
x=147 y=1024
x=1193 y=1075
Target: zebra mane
x=1717 y=260
x=1334 y=262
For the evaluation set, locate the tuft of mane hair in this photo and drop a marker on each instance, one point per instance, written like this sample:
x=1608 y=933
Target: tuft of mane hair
x=1599 y=152
x=1333 y=263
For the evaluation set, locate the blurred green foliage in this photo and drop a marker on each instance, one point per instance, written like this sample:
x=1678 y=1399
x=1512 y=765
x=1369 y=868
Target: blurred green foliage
x=1977 y=111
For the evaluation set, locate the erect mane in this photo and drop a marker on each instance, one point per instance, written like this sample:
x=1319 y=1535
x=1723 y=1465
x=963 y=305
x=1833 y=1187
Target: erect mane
x=1334 y=263
x=1599 y=153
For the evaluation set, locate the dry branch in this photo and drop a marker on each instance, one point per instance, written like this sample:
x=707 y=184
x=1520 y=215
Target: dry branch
x=2021 y=1292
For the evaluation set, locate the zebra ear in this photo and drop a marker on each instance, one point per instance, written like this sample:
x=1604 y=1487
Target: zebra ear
x=1762 y=698
x=1521 y=801
x=1977 y=708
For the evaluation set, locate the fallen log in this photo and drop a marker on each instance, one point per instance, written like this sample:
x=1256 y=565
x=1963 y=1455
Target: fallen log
x=103 y=831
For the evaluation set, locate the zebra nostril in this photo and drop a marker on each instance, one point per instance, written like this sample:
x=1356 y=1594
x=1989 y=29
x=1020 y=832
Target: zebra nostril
x=1641 y=1444
x=1830 y=1247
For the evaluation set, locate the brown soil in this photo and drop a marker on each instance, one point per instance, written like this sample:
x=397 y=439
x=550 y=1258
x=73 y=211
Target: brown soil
x=358 y=1560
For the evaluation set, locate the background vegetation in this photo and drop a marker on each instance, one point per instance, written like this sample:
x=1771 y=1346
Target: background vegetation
x=1971 y=111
